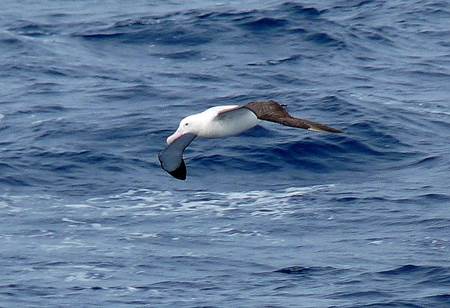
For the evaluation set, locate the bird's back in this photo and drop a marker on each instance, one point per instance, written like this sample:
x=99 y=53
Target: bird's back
x=224 y=124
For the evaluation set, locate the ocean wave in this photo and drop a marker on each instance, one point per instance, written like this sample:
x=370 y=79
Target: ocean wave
x=316 y=155
x=180 y=55
x=324 y=38
x=421 y=274
x=201 y=27
x=264 y=24
x=410 y=268
x=310 y=271
x=300 y=10
x=150 y=30
x=10 y=39
x=32 y=28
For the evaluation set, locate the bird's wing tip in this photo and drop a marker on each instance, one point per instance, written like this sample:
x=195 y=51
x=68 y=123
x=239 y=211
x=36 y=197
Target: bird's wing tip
x=179 y=173
x=328 y=130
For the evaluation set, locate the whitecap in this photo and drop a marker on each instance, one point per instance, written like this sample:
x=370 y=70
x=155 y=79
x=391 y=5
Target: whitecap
x=77 y=206
x=72 y=221
x=273 y=203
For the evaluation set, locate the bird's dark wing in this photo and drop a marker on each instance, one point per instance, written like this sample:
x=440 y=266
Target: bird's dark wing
x=171 y=158
x=274 y=112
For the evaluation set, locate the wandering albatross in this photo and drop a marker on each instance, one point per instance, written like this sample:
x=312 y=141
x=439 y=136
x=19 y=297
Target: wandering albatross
x=224 y=121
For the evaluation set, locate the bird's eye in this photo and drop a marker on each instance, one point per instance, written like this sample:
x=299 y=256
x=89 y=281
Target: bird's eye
x=186 y=124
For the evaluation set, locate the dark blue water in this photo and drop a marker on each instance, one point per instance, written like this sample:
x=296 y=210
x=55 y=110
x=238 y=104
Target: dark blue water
x=277 y=217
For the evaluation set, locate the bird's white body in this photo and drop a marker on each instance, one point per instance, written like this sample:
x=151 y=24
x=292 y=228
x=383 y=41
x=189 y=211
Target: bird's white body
x=227 y=124
x=212 y=123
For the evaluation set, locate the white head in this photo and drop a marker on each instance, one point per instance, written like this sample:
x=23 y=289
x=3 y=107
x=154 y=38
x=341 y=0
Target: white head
x=191 y=124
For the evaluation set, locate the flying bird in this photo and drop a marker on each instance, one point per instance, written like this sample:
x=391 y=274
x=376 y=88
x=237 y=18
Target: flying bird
x=224 y=121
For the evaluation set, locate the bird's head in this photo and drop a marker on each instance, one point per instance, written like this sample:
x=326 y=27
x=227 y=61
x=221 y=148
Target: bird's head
x=190 y=124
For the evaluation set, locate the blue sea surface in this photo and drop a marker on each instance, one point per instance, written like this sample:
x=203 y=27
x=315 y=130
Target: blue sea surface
x=276 y=217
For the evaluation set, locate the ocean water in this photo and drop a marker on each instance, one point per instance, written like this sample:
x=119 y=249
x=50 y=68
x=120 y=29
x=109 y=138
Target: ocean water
x=276 y=217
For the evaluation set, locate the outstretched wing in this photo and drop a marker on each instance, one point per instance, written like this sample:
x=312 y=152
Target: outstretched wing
x=274 y=112
x=171 y=158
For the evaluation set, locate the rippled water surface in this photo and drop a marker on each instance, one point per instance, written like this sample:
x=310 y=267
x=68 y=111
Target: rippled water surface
x=277 y=217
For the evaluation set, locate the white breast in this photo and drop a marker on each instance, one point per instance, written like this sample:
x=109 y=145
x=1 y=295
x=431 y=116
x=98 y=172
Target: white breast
x=229 y=123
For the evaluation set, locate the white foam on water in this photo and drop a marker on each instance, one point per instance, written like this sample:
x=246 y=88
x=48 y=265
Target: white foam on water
x=78 y=206
x=274 y=204
x=72 y=221
x=138 y=235
x=143 y=202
